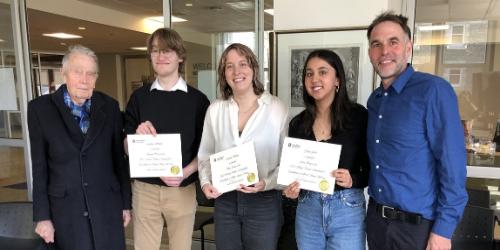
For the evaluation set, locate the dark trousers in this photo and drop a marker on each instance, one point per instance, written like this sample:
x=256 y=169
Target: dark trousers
x=385 y=234
x=248 y=221
x=287 y=239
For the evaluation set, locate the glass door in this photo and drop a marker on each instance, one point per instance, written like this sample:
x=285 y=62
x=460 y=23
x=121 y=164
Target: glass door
x=14 y=153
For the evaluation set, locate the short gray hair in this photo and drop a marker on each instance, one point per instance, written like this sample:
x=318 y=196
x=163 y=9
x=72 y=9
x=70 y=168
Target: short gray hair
x=73 y=49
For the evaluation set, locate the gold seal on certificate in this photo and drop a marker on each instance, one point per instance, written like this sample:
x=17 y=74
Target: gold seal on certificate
x=155 y=156
x=234 y=167
x=310 y=163
x=175 y=170
x=251 y=177
x=324 y=185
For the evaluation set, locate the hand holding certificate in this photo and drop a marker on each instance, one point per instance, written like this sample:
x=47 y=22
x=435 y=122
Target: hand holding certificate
x=310 y=163
x=155 y=156
x=233 y=167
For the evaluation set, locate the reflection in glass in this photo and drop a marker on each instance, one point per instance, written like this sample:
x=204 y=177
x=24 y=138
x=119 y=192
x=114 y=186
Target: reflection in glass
x=210 y=27
x=13 y=185
x=10 y=116
x=463 y=49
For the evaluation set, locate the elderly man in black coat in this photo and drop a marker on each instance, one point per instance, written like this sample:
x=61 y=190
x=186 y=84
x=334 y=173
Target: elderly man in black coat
x=81 y=185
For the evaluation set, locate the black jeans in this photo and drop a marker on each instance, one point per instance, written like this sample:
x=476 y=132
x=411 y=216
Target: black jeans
x=287 y=239
x=385 y=234
x=248 y=221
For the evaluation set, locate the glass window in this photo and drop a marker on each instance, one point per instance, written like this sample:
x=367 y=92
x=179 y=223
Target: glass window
x=10 y=115
x=13 y=185
x=208 y=27
x=460 y=42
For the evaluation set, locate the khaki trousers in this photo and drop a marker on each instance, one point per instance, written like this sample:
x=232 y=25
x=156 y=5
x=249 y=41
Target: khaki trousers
x=153 y=205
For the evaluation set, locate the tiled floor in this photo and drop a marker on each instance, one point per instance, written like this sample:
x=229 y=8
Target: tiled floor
x=12 y=172
x=11 y=166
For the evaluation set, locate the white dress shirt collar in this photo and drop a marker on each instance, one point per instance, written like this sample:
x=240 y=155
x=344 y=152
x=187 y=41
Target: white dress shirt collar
x=266 y=127
x=264 y=98
x=179 y=85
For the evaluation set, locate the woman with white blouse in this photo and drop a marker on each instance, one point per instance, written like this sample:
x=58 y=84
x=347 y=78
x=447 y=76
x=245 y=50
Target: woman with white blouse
x=250 y=217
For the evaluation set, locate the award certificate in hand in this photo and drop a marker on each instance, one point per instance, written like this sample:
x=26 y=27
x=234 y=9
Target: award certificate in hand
x=310 y=163
x=155 y=156
x=233 y=167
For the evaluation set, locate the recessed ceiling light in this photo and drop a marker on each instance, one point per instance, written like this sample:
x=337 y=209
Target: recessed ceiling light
x=62 y=35
x=189 y=5
x=269 y=11
x=241 y=5
x=1 y=40
x=433 y=27
x=174 y=19
x=139 y=48
x=82 y=28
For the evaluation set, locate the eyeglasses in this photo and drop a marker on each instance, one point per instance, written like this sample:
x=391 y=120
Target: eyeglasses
x=167 y=52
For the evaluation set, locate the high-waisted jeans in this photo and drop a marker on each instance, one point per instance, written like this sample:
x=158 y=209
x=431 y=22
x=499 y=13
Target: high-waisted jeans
x=331 y=221
x=248 y=221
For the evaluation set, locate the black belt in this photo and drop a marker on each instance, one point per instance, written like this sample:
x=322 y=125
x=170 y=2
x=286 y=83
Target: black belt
x=392 y=213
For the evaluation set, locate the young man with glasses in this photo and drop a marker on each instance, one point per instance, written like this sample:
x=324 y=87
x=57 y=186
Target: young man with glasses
x=167 y=106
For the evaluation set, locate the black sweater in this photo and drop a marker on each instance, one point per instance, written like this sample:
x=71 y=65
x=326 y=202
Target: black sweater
x=170 y=112
x=353 y=156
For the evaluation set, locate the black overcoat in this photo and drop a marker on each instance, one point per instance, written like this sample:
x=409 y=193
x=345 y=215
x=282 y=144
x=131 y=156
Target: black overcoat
x=80 y=182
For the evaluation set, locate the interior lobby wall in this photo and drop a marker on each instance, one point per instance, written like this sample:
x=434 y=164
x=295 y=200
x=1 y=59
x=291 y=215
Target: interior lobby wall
x=199 y=57
x=328 y=14
x=107 y=80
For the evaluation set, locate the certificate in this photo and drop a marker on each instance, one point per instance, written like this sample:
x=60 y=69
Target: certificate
x=310 y=163
x=233 y=167
x=155 y=156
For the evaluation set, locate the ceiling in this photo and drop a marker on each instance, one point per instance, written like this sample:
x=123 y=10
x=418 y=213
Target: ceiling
x=206 y=16
x=101 y=38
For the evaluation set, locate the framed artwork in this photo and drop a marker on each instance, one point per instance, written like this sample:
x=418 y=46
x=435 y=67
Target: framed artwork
x=291 y=50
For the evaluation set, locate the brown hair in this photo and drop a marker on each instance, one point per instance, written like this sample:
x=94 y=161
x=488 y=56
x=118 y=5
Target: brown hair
x=168 y=39
x=389 y=16
x=225 y=89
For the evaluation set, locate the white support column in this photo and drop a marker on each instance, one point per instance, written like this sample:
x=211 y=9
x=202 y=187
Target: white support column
x=23 y=72
x=259 y=35
x=167 y=13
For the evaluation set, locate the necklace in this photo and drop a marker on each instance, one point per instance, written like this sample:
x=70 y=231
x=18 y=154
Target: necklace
x=322 y=130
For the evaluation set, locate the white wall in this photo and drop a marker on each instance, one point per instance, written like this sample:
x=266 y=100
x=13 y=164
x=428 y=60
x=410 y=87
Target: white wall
x=107 y=80
x=322 y=14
